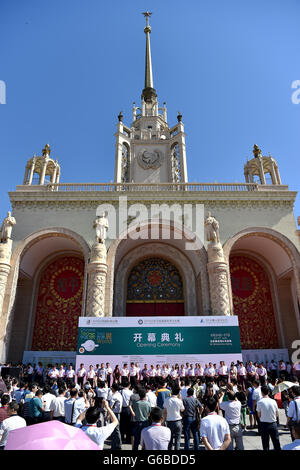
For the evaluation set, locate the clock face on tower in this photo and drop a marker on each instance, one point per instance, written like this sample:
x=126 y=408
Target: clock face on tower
x=149 y=159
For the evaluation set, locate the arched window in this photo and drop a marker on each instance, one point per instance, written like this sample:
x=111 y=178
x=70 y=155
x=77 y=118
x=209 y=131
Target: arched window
x=58 y=306
x=155 y=287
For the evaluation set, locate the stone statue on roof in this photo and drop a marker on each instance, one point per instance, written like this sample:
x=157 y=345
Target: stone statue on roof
x=6 y=227
x=101 y=226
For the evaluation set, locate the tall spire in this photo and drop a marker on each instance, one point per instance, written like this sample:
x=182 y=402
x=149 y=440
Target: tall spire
x=148 y=92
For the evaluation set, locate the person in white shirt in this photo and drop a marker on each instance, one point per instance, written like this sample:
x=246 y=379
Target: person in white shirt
x=242 y=375
x=267 y=411
x=144 y=375
x=151 y=397
x=199 y=371
x=191 y=372
x=57 y=407
x=39 y=373
x=223 y=372
x=152 y=374
x=48 y=399
x=293 y=414
x=124 y=374
x=158 y=373
x=29 y=373
x=61 y=372
x=133 y=375
x=53 y=373
x=125 y=416
x=14 y=421
x=210 y=371
x=91 y=415
x=183 y=389
x=295 y=445
x=70 y=375
x=262 y=373
x=256 y=397
x=156 y=436
x=138 y=372
x=164 y=372
x=211 y=384
x=282 y=370
x=74 y=406
x=116 y=401
x=232 y=371
x=173 y=407
x=214 y=429
x=174 y=374
x=102 y=390
x=109 y=373
x=101 y=373
x=232 y=409
x=81 y=373
x=182 y=371
x=273 y=370
x=91 y=376
x=251 y=371
x=296 y=370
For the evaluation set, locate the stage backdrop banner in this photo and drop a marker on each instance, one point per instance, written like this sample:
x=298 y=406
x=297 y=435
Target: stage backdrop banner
x=158 y=340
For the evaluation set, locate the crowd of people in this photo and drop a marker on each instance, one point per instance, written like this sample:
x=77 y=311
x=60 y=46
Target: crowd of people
x=152 y=407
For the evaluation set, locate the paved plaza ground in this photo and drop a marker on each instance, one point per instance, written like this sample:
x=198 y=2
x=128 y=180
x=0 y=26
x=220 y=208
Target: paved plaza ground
x=251 y=439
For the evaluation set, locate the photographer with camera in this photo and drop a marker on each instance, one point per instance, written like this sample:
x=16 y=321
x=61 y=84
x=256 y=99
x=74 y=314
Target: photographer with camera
x=91 y=416
x=232 y=409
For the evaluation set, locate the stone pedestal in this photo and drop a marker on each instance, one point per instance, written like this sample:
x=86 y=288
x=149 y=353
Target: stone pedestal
x=218 y=280
x=97 y=270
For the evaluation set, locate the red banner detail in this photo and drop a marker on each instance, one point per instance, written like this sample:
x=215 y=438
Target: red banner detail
x=252 y=302
x=59 y=305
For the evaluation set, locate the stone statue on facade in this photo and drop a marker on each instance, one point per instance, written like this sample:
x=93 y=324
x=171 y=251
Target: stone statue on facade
x=212 y=229
x=175 y=167
x=6 y=228
x=101 y=225
x=217 y=269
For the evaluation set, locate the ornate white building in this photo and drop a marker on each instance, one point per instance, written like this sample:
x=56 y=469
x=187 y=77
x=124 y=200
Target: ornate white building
x=54 y=269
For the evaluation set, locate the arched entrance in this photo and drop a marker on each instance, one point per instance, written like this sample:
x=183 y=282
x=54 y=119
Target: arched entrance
x=252 y=302
x=58 y=305
x=280 y=260
x=154 y=287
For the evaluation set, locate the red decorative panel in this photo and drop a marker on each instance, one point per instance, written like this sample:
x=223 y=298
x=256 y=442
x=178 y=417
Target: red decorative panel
x=252 y=302
x=59 y=305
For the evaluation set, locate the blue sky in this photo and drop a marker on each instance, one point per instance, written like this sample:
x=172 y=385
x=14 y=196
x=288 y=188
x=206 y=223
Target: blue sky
x=70 y=66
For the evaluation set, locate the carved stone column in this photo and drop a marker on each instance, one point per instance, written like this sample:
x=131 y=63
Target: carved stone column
x=5 y=254
x=218 y=280
x=97 y=270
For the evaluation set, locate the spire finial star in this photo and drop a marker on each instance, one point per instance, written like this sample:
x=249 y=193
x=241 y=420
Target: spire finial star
x=147 y=15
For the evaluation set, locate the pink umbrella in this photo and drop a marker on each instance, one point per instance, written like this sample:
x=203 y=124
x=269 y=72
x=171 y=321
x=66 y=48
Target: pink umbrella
x=51 y=435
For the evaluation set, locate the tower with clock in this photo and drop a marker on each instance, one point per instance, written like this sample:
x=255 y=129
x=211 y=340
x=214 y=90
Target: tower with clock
x=150 y=151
